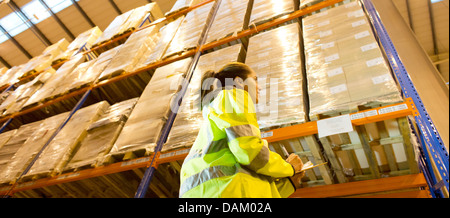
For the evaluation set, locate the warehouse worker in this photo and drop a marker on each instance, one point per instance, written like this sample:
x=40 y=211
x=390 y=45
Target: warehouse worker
x=229 y=159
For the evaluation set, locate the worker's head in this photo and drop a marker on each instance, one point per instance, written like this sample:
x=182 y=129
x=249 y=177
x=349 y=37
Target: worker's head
x=235 y=74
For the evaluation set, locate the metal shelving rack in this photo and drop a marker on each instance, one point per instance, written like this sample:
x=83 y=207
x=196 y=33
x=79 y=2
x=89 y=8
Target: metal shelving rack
x=429 y=137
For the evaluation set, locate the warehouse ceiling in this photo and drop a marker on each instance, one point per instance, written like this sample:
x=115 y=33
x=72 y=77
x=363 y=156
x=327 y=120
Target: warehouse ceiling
x=428 y=19
x=71 y=18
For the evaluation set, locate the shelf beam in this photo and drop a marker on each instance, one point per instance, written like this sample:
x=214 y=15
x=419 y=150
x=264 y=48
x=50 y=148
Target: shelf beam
x=363 y=187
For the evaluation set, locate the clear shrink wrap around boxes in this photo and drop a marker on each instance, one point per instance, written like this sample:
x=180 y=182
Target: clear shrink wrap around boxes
x=275 y=57
x=16 y=100
x=151 y=10
x=267 y=9
x=57 y=48
x=6 y=136
x=80 y=77
x=85 y=39
x=45 y=60
x=189 y=118
x=11 y=76
x=101 y=135
x=36 y=64
x=55 y=81
x=231 y=18
x=113 y=28
x=163 y=39
x=188 y=35
x=56 y=155
x=8 y=150
x=30 y=148
x=129 y=21
x=96 y=67
x=131 y=52
x=144 y=126
x=345 y=66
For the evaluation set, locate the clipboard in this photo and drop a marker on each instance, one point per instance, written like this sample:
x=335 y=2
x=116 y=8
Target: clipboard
x=309 y=165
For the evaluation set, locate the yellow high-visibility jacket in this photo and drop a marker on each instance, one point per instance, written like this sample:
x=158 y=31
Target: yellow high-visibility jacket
x=229 y=159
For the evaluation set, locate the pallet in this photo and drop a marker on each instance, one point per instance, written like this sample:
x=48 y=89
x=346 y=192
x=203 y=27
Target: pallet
x=308 y=148
x=81 y=167
x=27 y=74
x=255 y=23
x=178 y=53
x=170 y=13
x=117 y=157
x=244 y=41
x=108 y=44
x=37 y=176
x=129 y=30
x=370 y=151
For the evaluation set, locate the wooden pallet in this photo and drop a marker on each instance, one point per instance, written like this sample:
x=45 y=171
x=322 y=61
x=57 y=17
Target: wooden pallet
x=178 y=53
x=37 y=176
x=27 y=74
x=370 y=151
x=87 y=165
x=308 y=149
x=120 y=156
x=111 y=43
x=171 y=13
x=266 y=20
x=243 y=41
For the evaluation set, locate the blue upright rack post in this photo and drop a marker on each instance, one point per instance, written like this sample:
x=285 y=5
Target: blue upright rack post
x=5 y=124
x=145 y=20
x=148 y=175
x=430 y=139
x=83 y=48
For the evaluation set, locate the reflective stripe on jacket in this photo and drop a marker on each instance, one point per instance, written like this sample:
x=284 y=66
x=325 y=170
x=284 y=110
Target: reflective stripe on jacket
x=229 y=159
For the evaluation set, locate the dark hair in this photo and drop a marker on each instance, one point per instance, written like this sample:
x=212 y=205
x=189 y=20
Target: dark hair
x=230 y=71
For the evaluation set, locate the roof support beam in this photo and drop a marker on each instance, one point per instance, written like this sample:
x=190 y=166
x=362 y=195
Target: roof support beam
x=408 y=10
x=30 y=24
x=433 y=27
x=83 y=13
x=115 y=7
x=64 y=27
x=16 y=43
x=4 y=62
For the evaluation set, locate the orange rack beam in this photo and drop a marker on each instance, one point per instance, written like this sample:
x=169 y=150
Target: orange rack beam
x=369 y=187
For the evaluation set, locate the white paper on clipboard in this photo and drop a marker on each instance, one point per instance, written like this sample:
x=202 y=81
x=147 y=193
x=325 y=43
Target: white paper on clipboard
x=334 y=126
x=309 y=165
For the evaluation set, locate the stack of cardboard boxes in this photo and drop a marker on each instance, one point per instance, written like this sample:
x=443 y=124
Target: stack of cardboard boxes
x=345 y=66
x=275 y=57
